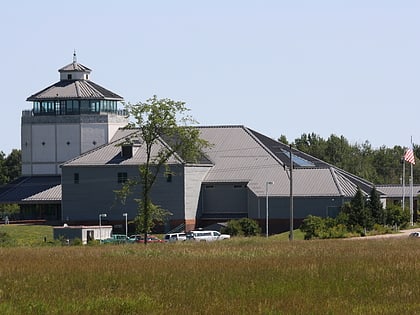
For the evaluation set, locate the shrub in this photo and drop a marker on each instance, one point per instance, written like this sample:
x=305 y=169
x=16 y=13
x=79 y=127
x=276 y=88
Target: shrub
x=77 y=242
x=312 y=227
x=244 y=227
x=317 y=227
x=233 y=228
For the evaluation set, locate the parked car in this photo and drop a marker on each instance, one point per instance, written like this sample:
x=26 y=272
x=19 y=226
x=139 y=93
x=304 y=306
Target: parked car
x=174 y=237
x=207 y=236
x=140 y=239
x=116 y=239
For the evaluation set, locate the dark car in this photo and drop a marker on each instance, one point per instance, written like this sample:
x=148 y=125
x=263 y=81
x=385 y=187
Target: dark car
x=140 y=239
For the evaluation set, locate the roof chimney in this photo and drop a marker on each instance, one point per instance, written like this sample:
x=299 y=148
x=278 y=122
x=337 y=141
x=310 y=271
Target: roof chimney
x=127 y=150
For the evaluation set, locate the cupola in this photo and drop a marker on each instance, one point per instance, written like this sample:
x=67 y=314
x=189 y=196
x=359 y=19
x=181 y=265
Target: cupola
x=74 y=71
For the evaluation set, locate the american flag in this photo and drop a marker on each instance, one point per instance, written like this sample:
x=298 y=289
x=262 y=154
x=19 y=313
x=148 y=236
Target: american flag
x=409 y=156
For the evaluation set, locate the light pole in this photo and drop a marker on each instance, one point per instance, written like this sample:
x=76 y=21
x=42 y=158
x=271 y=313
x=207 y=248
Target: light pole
x=102 y=215
x=291 y=195
x=266 y=207
x=126 y=226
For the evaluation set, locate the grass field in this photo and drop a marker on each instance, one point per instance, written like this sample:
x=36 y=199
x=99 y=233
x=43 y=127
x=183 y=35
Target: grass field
x=239 y=276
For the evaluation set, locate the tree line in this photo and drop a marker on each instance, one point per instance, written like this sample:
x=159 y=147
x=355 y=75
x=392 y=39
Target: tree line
x=10 y=166
x=379 y=166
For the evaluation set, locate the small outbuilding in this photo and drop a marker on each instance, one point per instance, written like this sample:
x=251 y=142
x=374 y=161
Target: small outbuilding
x=82 y=232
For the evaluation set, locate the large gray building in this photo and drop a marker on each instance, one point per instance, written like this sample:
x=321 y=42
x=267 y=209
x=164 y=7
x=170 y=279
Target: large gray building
x=72 y=164
x=243 y=170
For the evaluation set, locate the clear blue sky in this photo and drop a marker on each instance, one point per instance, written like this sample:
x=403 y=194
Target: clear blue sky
x=348 y=68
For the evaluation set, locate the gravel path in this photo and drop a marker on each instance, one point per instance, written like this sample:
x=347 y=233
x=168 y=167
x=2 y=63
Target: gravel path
x=402 y=233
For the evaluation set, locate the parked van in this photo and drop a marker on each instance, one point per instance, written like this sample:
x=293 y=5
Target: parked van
x=207 y=236
x=173 y=237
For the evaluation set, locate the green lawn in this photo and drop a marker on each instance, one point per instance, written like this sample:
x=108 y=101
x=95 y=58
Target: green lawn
x=28 y=235
x=237 y=276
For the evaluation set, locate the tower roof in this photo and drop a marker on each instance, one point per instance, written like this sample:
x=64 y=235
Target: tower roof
x=74 y=84
x=75 y=89
x=75 y=66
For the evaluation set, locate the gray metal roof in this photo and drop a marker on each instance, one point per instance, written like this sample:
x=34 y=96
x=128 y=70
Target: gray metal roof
x=237 y=154
x=75 y=66
x=110 y=154
x=45 y=189
x=75 y=89
x=242 y=155
x=396 y=191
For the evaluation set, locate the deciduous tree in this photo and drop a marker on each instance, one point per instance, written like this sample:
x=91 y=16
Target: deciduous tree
x=167 y=122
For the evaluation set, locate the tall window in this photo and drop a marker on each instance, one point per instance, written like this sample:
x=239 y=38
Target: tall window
x=76 y=178
x=122 y=177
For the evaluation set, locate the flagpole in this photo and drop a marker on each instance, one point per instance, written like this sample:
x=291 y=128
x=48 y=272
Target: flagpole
x=411 y=184
x=403 y=185
x=411 y=195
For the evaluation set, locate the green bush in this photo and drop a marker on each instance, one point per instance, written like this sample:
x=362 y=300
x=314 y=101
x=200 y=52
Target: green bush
x=242 y=227
x=312 y=226
x=317 y=227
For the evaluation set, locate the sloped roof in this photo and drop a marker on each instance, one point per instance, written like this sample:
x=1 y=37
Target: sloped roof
x=44 y=189
x=237 y=155
x=110 y=154
x=75 y=66
x=240 y=154
x=75 y=89
x=396 y=191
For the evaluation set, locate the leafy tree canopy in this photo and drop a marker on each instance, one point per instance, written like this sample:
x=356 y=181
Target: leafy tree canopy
x=167 y=122
x=379 y=166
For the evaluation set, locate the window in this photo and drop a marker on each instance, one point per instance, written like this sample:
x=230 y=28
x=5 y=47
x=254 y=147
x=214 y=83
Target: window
x=76 y=178
x=169 y=177
x=122 y=177
x=69 y=77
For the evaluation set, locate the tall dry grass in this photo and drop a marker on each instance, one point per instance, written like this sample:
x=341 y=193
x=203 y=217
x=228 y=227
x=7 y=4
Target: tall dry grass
x=240 y=276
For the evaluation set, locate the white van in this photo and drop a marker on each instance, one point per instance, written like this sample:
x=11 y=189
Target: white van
x=173 y=237
x=207 y=236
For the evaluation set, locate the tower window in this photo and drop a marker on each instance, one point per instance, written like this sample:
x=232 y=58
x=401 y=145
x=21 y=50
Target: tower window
x=69 y=77
x=76 y=178
x=169 y=177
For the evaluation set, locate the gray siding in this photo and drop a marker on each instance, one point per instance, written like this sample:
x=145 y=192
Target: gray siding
x=279 y=208
x=224 y=200
x=95 y=193
x=194 y=176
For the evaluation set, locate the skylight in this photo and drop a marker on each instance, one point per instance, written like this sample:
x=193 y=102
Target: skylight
x=298 y=160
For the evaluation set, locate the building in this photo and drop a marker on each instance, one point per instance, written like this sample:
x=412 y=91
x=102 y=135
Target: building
x=85 y=234
x=243 y=169
x=68 y=118
x=75 y=156
x=395 y=194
